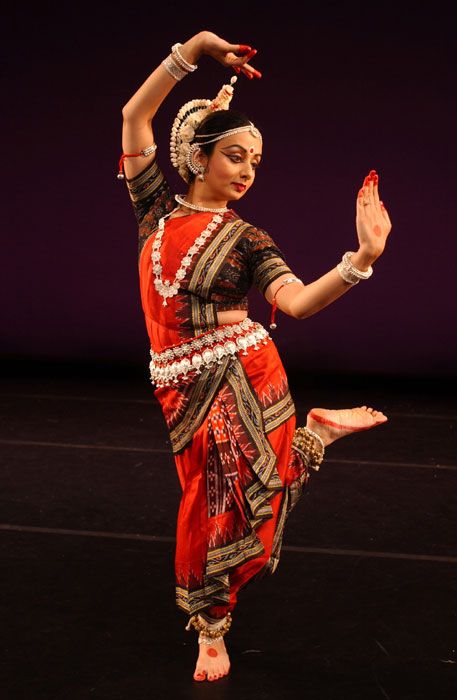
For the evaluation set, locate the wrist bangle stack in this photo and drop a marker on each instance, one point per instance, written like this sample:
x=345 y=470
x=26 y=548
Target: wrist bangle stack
x=176 y=64
x=173 y=68
x=349 y=273
x=179 y=58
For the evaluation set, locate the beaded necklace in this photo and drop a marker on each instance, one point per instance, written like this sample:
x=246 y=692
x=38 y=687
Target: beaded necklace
x=166 y=288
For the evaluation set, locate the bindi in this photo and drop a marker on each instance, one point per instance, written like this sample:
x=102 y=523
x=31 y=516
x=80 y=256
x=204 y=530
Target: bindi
x=377 y=230
x=212 y=652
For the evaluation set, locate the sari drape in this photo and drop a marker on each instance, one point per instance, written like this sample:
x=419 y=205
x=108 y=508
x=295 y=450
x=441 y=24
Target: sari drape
x=232 y=424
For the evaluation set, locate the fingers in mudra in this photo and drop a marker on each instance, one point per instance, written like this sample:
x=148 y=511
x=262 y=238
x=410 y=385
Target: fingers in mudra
x=372 y=217
x=240 y=64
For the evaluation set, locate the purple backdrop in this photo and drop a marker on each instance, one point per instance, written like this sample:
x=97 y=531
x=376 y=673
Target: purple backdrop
x=346 y=88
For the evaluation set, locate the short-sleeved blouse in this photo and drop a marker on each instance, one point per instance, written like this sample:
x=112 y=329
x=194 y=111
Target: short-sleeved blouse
x=253 y=260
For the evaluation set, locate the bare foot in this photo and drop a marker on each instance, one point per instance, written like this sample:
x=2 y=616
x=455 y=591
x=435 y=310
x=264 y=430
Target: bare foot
x=213 y=662
x=334 y=424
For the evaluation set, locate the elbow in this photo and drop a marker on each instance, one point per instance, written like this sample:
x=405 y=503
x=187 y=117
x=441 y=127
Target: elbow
x=128 y=113
x=300 y=317
x=297 y=313
x=125 y=113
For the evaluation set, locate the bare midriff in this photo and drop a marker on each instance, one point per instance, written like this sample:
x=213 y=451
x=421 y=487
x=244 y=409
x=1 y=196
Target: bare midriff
x=234 y=316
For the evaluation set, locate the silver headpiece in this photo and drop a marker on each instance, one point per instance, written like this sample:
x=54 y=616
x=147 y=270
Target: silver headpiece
x=187 y=122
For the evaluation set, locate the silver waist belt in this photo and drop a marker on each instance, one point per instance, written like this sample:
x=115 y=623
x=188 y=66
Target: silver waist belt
x=174 y=364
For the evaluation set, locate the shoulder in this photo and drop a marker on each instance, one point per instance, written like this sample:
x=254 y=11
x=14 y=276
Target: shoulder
x=256 y=238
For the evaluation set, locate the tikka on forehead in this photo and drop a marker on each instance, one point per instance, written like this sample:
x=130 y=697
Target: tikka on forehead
x=187 y=121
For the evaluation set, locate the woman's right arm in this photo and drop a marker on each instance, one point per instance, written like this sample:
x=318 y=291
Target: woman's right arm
x=140 y=109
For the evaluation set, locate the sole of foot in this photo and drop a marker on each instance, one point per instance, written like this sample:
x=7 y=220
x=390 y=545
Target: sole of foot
x=332 y=424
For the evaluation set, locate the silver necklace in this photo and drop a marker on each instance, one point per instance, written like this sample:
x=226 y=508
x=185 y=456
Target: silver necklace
x=214 y=210
x=170 y=289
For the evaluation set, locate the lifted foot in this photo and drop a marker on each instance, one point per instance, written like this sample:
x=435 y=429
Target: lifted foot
x=334 y=424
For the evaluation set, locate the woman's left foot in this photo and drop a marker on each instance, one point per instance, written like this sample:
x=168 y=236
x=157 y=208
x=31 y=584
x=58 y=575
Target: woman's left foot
x=334 y=424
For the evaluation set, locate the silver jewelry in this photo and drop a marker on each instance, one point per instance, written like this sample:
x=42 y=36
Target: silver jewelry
x=179 y=58
x=196 y=207
x=351 y=274
x=188 y=119
x=170 y=289
x=173 y=364
x=144 y=152
x=190 y=162
x=150 y=149
x=230 y=132
x=174 y=68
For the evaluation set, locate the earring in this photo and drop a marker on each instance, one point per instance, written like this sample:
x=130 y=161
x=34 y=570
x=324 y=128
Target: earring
x=201 y=175
x=194 y=167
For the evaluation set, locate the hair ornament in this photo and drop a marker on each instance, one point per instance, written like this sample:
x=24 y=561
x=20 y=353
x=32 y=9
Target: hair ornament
x=187 y=121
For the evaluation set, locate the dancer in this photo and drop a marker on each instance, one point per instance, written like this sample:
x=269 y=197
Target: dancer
x=241 y=461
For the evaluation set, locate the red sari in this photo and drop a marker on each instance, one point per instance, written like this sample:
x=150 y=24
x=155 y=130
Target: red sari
x=232 y=424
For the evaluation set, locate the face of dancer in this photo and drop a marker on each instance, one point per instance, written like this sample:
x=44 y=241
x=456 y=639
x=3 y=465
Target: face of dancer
x=230 y=169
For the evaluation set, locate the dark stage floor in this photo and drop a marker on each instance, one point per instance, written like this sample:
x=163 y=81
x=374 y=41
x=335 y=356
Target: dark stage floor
x=363 y=605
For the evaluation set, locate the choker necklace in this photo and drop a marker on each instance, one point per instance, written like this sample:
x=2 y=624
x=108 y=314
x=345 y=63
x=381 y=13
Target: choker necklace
x=196 y=207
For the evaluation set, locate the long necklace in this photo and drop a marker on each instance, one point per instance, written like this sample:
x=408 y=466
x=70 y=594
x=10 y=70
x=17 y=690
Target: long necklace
x=170 y=289
x=196 y=207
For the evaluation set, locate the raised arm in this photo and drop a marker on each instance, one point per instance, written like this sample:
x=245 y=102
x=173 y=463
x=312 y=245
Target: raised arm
x=138 y=113
x=373 y=226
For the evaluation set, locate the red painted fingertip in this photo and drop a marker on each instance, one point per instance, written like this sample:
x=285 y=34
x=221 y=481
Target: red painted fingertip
x=244 y=48
x=236 y=69
x=257 y=74
x=372 y=172
x=251 y=53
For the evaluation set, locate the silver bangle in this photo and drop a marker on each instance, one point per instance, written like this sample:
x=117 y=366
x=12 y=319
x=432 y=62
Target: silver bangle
x=349 y=273
x=173 y=68
x=179 y=58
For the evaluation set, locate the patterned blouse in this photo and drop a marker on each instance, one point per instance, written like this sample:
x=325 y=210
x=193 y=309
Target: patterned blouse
x=254 y=260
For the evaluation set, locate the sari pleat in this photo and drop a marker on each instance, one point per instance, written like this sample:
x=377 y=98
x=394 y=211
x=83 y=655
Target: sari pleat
x=239 y=485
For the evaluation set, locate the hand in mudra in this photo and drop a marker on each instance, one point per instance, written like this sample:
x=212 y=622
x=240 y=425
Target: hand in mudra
x=372 y=220
x=226 y=54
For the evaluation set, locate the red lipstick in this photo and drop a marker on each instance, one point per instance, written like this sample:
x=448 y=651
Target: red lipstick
x=238 y=187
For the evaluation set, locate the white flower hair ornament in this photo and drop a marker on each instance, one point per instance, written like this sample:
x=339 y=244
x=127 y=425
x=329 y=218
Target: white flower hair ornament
x=187 y=121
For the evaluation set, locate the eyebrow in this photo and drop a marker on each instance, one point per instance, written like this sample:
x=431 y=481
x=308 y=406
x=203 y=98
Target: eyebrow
x=237 y=145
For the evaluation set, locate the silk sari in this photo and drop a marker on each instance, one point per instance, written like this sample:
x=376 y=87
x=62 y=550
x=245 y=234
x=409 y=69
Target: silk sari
x=231 y=425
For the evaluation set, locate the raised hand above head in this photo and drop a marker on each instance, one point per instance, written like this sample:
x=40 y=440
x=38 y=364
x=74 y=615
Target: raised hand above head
x=229 y=54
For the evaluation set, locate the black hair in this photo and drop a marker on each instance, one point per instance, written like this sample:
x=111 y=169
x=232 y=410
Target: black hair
x=221 y=120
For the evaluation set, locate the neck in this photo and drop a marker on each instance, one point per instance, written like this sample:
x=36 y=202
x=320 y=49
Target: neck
x=198 y=194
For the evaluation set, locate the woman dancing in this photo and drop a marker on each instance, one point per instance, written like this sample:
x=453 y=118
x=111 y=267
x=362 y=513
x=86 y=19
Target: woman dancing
x=241 y=461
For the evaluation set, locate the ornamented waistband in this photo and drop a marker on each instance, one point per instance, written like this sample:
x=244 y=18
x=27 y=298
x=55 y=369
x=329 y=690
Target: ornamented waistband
x=175 y=363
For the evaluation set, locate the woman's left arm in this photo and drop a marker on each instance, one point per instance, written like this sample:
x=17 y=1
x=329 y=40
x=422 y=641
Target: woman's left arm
x=373 y=226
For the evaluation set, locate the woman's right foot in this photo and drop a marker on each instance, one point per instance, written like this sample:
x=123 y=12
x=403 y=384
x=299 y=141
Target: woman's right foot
x=213 y=662
x=334 y=424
